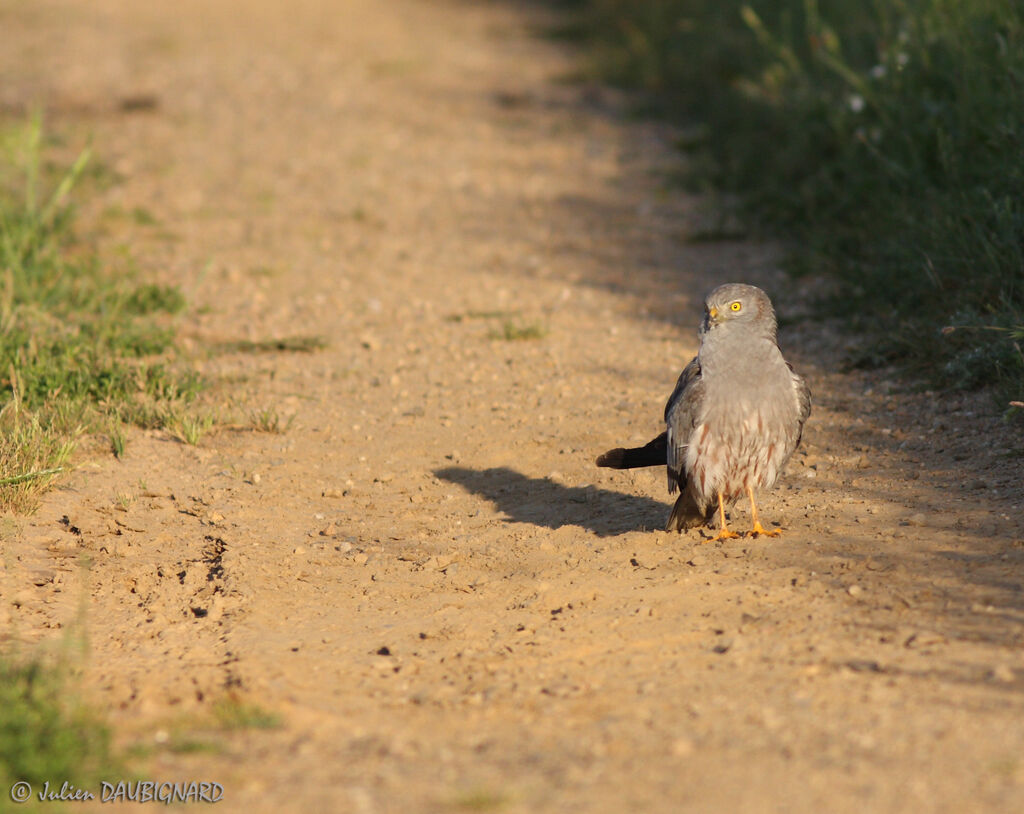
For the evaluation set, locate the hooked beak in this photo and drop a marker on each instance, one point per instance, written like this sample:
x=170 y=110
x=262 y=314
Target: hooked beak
x=710 y=319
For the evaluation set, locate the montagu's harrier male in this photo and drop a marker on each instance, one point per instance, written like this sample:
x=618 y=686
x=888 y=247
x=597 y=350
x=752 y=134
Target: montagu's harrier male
x=735 y=416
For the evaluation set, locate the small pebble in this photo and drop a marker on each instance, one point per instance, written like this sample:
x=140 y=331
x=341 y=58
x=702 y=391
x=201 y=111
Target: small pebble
x=1003 y=673
x=683 y=747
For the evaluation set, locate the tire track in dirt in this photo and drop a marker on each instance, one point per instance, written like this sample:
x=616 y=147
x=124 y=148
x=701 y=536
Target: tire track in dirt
x=426 y=576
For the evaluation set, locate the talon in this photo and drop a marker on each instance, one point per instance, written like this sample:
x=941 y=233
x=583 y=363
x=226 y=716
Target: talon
x=723 y=534
x=759 y=529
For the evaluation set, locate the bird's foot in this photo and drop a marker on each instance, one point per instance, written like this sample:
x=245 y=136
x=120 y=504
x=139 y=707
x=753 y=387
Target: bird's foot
x=759 y=529
x=723 y=534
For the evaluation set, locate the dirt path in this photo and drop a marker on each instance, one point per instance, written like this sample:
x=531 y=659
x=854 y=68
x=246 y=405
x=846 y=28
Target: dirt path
x=425 y=577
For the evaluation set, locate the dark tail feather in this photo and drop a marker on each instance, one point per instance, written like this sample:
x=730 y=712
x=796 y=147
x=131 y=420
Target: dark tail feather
x=654 y=453
x=686 y=514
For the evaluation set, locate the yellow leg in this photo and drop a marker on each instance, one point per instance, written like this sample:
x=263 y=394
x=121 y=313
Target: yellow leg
x=723 y=532
x=758 y=528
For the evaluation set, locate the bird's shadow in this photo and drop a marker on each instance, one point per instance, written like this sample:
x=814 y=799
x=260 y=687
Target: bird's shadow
x=542 y=502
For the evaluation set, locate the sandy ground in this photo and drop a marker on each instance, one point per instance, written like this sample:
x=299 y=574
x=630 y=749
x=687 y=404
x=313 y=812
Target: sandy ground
x=425 y=577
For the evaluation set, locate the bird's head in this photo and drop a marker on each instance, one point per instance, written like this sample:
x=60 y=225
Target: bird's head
x=739 y=304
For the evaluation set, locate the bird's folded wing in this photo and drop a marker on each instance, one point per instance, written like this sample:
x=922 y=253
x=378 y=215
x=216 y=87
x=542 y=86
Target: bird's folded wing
x=803 y=400
x=681 y=415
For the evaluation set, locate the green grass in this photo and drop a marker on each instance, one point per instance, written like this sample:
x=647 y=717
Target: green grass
x=209 y=732
x=139 y=215
x=189 y=427
x=46 y=732
x=482 y=799
x=884 y=139
x=288 y=344
x=195 y=746
x=33 y=452
x=481 y=315
x=232 y=713
x=513 y=331
x=118 y=439
x=270 y=420
x=84 y=343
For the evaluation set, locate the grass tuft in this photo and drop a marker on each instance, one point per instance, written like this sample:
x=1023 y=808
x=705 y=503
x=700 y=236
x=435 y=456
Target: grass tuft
x=118 y=440
x=481 y=799
x=288 y=344
x=232 y=712
x=513 y=332
x=33 y=452
x=271 y=421
x=189 y=427
x=84 y=345
x=46 y=733
x=500 y=314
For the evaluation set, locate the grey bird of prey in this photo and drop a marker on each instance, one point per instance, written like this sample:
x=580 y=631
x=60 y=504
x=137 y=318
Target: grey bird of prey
x=734 y=419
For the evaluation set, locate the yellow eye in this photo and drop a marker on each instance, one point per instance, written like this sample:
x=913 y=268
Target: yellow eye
x=735 y=307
